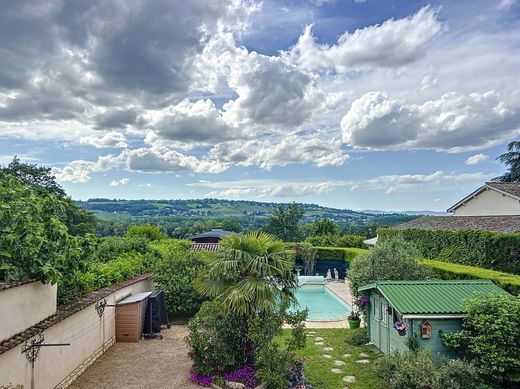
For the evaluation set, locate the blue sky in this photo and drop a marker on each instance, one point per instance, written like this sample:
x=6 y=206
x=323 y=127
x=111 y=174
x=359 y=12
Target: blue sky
x=375 y=104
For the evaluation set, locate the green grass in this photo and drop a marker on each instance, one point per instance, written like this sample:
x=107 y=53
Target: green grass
x=318 y=369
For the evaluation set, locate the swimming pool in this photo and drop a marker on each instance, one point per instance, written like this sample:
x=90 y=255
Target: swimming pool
x=323 y=305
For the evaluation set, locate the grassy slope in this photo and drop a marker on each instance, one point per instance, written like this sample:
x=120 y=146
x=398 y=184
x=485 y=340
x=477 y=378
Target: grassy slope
x=318 y=369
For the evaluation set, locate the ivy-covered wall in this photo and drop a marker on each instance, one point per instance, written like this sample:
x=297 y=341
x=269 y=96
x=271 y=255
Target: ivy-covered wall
x=468 y=247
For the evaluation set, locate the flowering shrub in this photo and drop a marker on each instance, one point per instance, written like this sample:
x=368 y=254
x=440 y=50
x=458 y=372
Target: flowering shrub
x=200 y=379
x=245 y=376
x=353 y=315
x=214 y=341
x=296 y=377
x=401 y=326
x=362 y=302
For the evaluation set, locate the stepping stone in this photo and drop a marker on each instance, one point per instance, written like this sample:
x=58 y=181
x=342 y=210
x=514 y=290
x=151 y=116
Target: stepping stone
x=318 y=338
x=328 y=348
x=319 y=343
x=337 y=371
x=339 y=363
x=347 y=355
x=312 y=332
x=327 y=356
x=349 y=378
x=364 y=355
x=363 y=361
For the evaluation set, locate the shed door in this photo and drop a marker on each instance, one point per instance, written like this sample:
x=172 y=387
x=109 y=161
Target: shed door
x=374 y=319
x=384 y=328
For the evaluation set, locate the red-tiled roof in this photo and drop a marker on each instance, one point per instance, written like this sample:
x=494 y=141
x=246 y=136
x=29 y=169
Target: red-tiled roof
x=213 y=247
x=504 y=224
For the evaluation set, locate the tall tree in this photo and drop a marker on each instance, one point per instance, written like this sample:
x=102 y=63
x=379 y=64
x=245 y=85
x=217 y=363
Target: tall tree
x=284 y=222
x=324 y=227
x=41 y=179
x=250 y=276
x=512 y=160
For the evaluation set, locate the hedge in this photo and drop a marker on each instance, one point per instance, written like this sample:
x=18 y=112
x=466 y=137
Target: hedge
x=346 y=254
x=468 y=247
x=454 y=271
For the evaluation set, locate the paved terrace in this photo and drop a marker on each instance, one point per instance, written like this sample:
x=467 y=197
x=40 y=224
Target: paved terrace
x=148 y=364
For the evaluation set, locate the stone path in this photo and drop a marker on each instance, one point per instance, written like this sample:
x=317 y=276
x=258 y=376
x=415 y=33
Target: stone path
x=148 y=364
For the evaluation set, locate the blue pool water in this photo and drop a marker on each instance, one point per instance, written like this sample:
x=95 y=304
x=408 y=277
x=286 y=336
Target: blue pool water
x=321 y=303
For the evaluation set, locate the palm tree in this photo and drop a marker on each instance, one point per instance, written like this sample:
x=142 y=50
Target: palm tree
x=511 y=159
x=248 y=279
x=250 y=276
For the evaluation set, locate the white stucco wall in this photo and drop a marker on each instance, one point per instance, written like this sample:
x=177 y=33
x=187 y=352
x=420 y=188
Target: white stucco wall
x=56 y=367
x=23 y=306
x=487 y=203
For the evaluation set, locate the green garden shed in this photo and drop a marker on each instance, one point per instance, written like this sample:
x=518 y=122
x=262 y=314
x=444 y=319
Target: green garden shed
x=400 y=310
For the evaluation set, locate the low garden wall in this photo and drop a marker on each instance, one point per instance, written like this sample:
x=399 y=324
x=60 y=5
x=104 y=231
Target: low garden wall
x=77 y=323
x=24 y=304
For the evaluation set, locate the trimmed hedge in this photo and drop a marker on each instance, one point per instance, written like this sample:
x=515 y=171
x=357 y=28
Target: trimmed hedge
x=468 y=247
x=454 y=271
x=346 y=254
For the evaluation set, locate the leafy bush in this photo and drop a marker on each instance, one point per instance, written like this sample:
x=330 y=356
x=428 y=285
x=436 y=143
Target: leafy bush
x=468 y=247
x=34 y=241
x=111 y=247
x=147 y=231
x=416 y=369
x=457 y=374
x=411 y=370
x=274 y=366
x=99 y=275
x=489 y=337
x=357 y=337
x=214 y=340
x=347 y=254
x=389 y=260
x=455 y=271
x=173 y=269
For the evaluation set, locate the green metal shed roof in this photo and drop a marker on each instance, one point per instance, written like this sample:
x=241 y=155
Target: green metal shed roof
x=432 y=297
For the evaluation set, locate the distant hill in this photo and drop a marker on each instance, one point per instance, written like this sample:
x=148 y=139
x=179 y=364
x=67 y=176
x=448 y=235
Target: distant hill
x=420 y=213
x=108 y=209
x=182 y=217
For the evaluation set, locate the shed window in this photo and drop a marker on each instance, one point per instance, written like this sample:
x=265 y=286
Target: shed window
x=377 y=307
x=384 y=312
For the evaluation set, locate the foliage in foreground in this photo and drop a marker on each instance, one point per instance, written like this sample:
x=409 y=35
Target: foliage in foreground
x=490 y=337
x=34 y=241
x=416 y=370
x=393 y=259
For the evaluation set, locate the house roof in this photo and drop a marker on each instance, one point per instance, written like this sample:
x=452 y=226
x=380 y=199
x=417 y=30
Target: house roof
x=504 y=224
x=511 y=189
x=214 y=233
x=212 y=247
x=432 y=297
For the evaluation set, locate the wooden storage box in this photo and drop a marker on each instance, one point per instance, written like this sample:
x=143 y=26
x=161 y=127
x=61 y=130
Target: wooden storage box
x=130 y=317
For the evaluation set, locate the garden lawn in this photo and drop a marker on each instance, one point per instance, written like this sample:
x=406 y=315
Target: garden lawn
x=318 y=369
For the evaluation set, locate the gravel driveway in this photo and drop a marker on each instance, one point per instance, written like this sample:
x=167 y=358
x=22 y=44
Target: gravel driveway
x=147 y=364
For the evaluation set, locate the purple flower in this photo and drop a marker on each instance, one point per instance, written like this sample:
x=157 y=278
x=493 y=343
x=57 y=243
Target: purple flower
x=246 y=375
x=200 y=379
x=362 y=301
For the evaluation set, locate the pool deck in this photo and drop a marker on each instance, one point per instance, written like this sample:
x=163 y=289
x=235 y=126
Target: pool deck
x=342 y=290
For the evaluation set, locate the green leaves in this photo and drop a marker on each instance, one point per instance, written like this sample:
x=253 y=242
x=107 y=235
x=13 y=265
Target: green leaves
x=490 y=337
x=250 y=275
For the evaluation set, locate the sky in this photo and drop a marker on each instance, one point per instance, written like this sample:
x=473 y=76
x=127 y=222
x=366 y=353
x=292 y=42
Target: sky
x=358 y=104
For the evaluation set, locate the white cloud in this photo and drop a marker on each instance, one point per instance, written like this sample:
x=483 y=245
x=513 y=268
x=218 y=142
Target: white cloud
x=122 y=181
x=476 y=159
x=506 y=4
x=391 y=44
x=164 y=160
x=319 y=148
x=79 y=171
x=454 y=122
x=110 y=139
x=187 y=122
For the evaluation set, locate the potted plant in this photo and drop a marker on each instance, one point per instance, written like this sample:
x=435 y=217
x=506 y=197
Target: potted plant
x=353 y=319
x=401 y=327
